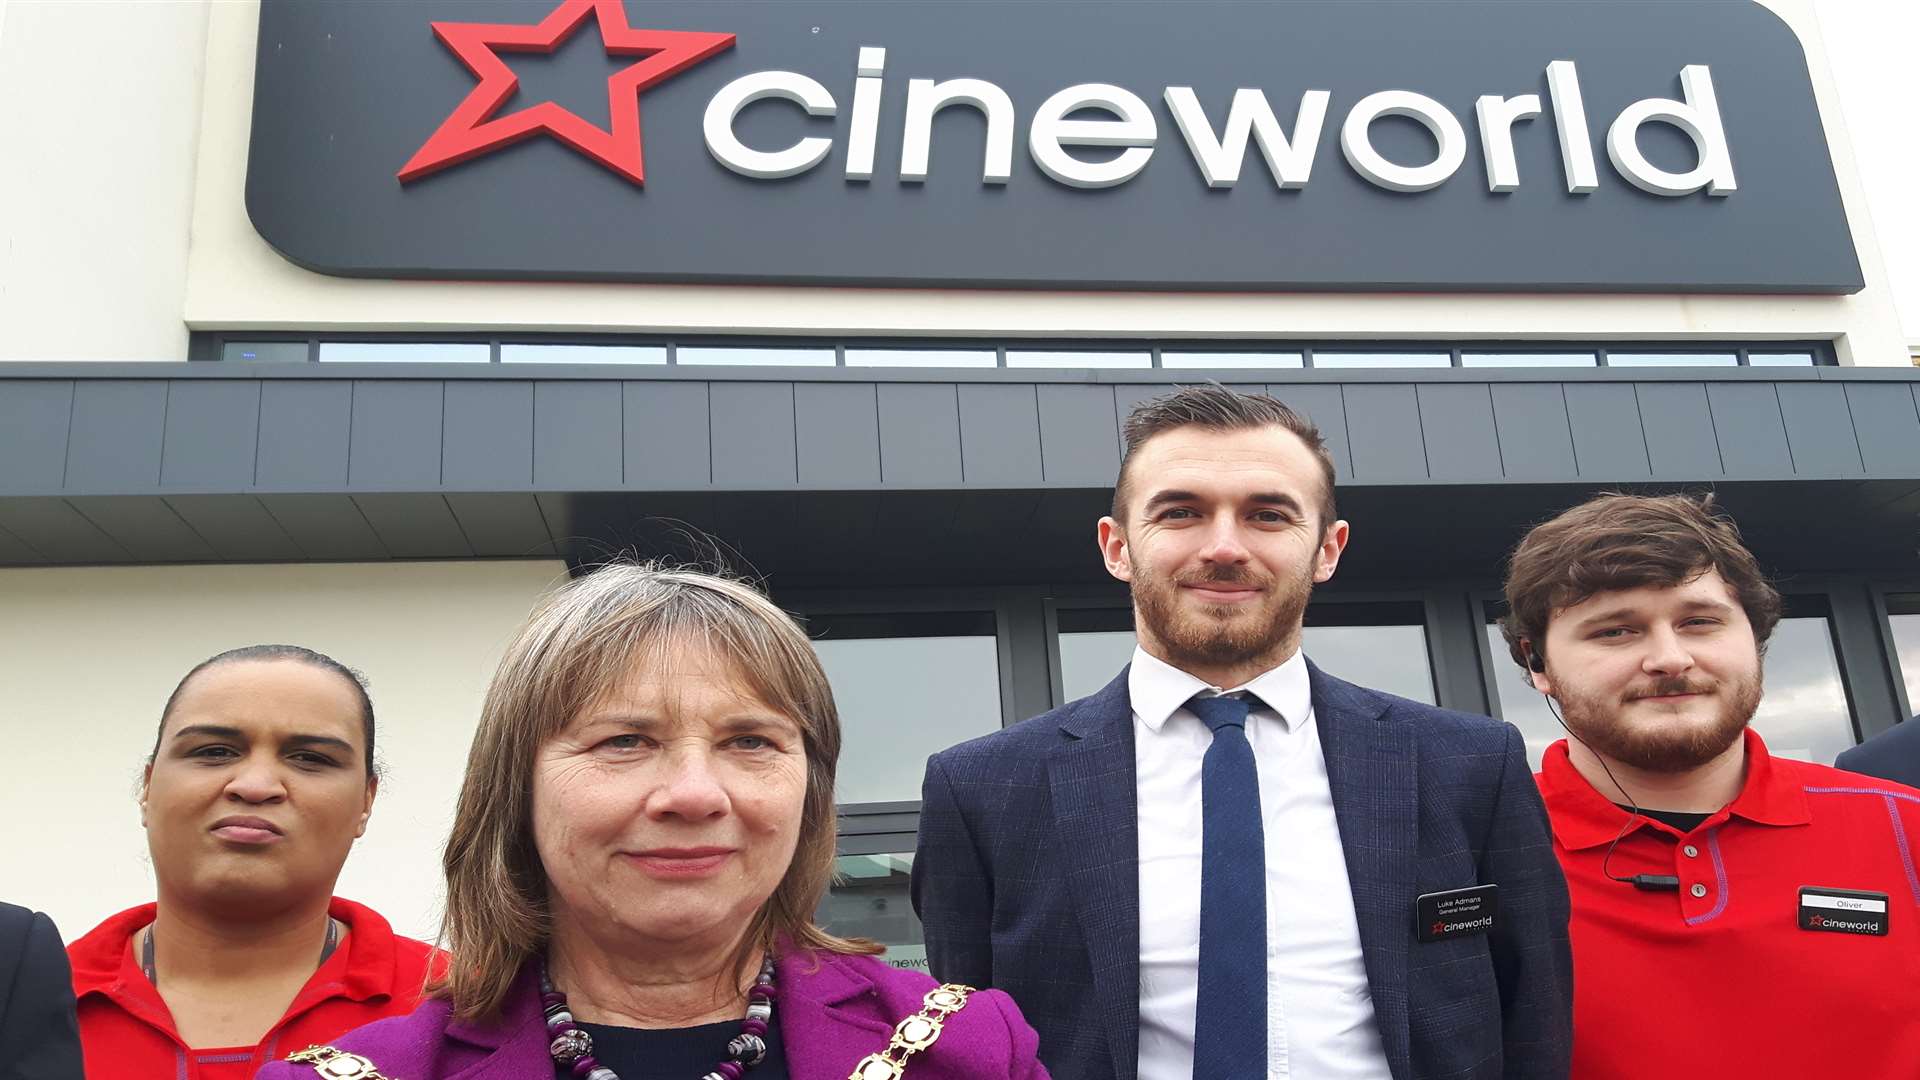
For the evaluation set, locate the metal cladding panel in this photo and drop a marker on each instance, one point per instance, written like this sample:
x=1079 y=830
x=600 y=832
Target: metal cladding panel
x=487 y=436
x=59 y=533
x=414 y=526
x=396 y=434
x=328 y=527
x=1748 y=426
x=240 y=529
x=753 y=435
x=668 y=444
x=213 y=430
x=1126 y=398
x=837 y=434
x=1327 y=408
x=114 y=442
x=145 y=526
x=1536 y=438
x=1819 y=430
x=33 y=434
x=503 y=526
x=349 y=98
x=304 y=432
x=1391 y=447
x=1888 y=426
x=1077 y=435
x=1604 y=422
x=1457 y=428
x=577 y=435
x=919 y=433
x=1678 y=427
x=1000 y=435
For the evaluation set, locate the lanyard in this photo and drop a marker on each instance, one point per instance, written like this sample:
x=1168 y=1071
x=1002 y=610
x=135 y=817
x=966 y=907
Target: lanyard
x=146 y=949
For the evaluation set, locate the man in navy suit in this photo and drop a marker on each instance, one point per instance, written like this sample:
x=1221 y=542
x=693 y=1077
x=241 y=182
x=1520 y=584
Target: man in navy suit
x=1227 y=863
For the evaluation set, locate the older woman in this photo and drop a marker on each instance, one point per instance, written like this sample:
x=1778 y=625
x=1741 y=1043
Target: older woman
x=645 y=831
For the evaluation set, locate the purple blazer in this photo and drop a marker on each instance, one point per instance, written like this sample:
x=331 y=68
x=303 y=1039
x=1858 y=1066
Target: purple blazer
x=830 y=1016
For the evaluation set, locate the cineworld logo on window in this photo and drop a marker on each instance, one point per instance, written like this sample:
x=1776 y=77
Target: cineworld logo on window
x=1318 y=144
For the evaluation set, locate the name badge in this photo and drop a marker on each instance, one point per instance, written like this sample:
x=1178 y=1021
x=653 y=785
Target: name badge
x=1843 y=911
x=1442 y=916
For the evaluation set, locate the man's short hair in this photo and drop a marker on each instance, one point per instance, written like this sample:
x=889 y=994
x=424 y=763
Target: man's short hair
x=1617 y=541
x=1216 y=408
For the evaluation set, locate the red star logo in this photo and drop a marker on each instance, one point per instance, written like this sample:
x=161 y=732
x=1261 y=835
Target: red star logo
x=473 y=130
x=1439 y=928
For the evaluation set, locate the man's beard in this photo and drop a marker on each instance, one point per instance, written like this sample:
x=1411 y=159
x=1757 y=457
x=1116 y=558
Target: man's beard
x=1222 y=634
x=1651 y=746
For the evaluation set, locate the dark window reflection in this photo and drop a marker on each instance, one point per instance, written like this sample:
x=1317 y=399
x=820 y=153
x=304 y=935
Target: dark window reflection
x=1377 y=645
x=869 y=899
x=907 y=686
x=1903 y=612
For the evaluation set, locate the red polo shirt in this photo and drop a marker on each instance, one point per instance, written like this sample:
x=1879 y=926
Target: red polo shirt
x=1718 y=981
x=126 y=1030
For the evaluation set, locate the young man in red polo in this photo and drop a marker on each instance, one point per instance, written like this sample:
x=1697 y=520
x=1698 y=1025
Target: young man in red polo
x=1735 y=915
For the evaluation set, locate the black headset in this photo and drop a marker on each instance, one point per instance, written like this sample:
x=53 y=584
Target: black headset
x=1537 y=663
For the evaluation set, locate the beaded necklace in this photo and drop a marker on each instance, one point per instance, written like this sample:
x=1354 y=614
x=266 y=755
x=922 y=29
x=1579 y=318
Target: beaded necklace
x=572 y=1048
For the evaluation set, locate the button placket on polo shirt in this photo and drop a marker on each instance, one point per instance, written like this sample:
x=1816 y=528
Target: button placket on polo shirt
x=1701 y=871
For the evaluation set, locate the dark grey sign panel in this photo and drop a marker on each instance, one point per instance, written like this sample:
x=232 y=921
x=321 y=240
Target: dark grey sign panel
x=1721 y=184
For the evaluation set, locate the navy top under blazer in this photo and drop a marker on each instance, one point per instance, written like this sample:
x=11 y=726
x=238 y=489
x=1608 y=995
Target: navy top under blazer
x=1027 y=880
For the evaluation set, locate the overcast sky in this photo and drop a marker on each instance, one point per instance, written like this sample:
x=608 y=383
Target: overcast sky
x=1871 y=43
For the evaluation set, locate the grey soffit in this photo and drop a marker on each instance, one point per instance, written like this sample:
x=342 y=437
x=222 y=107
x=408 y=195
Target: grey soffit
x=375 y=80
x=186 y=439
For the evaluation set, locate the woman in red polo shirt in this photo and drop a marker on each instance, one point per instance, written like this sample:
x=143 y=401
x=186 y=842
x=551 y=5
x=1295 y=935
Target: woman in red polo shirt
x=260 y=780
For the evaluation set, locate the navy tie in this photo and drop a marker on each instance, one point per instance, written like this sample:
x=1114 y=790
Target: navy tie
x=1230 y=1017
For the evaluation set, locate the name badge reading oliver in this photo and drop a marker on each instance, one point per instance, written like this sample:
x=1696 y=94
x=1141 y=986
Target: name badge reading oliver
x=1843 y=911
x=1440 y=916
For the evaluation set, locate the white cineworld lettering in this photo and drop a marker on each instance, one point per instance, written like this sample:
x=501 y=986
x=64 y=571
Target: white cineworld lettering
x=1052 y=132
x=1220 y=154
x=1699 y=117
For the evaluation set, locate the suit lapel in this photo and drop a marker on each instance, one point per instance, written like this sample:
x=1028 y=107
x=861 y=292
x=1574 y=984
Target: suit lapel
x=1091 y=773
x=828 y=1013
x=1373 y=771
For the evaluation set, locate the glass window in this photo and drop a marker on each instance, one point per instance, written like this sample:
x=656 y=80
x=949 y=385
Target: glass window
x=1780 y=359
x=1526 y=360
x=724 y=357
x=1671 y=359
x=1377 y=645
x=272 y=352
x=408 y=352
x=583 y=354
x=1381 y=359
x=907 y=686
x=1903 y=612
x=1231 y=359
x=869 y=899
x=1029 y=358
x=923 y=358
x=1803 y=713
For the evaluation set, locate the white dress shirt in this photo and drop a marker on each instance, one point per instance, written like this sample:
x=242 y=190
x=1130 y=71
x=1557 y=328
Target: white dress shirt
x=1320 y=1022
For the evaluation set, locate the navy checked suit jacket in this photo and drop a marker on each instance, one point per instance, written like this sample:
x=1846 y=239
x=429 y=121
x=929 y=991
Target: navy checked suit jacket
x=1027 y=880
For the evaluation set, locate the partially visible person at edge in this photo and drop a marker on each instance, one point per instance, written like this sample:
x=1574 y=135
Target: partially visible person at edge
x=1755 y=916
x=260 y=779
x=645 y=831
x=38 y=1037
x=1893 y=754
x=1228 y=864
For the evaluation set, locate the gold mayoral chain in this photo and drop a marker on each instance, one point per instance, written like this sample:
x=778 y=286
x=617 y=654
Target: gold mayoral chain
x=914 y=1034
x=338 y=1064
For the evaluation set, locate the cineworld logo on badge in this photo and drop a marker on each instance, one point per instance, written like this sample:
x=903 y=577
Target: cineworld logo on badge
x=1100 y=117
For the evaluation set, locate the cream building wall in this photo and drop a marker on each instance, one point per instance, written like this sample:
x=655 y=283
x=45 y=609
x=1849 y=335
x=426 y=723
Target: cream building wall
x=128 y=227
x=89 y=655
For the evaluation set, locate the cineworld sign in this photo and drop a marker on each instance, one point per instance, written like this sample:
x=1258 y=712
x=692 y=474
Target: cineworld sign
x=1062 y=144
